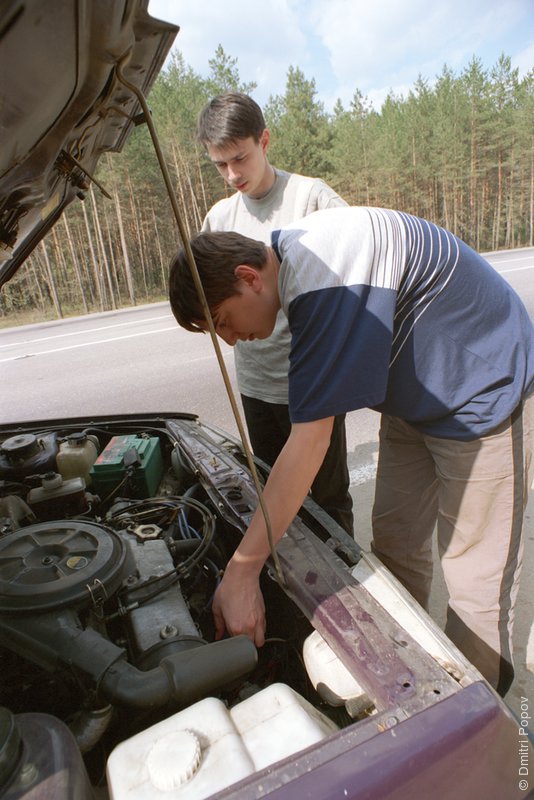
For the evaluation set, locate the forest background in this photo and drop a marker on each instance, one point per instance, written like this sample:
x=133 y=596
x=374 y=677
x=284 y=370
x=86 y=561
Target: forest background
x=458 y=150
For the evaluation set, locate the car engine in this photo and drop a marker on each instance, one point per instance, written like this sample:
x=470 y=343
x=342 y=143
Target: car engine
x=114 y=537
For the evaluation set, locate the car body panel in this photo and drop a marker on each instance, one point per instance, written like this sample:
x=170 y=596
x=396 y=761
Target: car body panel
x=462 y=747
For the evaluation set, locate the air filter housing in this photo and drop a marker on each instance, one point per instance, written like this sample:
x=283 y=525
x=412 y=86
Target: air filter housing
x=59 y=564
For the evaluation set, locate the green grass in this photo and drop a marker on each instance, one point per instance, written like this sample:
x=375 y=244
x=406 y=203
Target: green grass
x=16 y=318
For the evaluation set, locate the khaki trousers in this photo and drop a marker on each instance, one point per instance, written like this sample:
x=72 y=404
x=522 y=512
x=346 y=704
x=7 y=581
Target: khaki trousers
x=476 y=492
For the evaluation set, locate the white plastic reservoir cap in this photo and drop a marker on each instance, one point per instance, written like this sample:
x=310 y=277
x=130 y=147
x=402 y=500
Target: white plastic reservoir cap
x=173 y=760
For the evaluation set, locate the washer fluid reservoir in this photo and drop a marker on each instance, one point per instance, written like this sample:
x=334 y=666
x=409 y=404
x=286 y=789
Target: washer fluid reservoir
x=76 y=456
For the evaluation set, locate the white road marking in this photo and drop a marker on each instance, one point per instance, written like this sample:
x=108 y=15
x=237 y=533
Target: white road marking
x=87 y=330
x=515 y=269
x=89 y=344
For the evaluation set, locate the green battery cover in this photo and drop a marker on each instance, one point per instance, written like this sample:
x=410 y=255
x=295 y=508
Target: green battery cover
x=109 y=470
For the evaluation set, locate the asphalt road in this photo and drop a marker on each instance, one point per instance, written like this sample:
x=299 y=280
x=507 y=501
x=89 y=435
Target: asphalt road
x=138 y=359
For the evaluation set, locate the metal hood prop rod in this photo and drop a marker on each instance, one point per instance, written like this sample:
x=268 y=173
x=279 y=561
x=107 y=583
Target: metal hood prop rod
x=205 y=307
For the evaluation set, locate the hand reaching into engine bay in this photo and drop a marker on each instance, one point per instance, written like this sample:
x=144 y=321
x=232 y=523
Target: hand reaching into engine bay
x=238 y=606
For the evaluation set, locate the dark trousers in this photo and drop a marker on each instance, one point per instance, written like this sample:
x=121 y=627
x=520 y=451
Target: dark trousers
x=269 y=427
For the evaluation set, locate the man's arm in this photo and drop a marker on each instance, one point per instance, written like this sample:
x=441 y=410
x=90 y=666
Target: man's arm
x=238 y=603
x=326 y=197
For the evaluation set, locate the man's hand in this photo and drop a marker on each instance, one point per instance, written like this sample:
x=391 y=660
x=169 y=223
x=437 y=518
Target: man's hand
x=238 y=605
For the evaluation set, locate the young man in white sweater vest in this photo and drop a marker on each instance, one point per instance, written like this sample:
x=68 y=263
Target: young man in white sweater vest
x=232 y=129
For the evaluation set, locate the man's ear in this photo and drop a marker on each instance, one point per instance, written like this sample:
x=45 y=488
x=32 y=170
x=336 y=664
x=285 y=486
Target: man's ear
x=265 y=139
x=249 y=275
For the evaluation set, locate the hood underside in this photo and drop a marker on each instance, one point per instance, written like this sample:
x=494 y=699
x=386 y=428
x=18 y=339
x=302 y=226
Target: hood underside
x=62 y=105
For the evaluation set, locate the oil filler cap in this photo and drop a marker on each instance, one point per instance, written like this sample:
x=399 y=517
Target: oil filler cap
x=173 y=760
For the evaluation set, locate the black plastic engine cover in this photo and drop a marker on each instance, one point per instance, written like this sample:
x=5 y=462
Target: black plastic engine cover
x=56 y=564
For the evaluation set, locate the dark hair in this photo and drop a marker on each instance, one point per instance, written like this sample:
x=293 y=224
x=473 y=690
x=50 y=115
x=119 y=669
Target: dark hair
x=229 y=117
x=216 y=255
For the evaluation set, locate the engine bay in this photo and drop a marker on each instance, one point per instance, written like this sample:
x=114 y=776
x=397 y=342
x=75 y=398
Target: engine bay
x=114 y=537
x=110 y=553
x=108 y=573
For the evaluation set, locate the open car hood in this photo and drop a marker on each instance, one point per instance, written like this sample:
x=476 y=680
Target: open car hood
x=62 y=104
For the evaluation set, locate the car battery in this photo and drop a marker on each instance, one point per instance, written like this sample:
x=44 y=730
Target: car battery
x=133 y=461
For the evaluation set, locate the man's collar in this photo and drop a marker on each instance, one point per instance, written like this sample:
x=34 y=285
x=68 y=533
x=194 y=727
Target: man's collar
x=275 y=235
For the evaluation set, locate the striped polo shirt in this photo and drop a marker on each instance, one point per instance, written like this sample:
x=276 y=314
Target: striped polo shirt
x=389 y=311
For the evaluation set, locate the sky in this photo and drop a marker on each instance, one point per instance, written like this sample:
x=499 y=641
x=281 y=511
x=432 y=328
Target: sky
x=376 y=46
